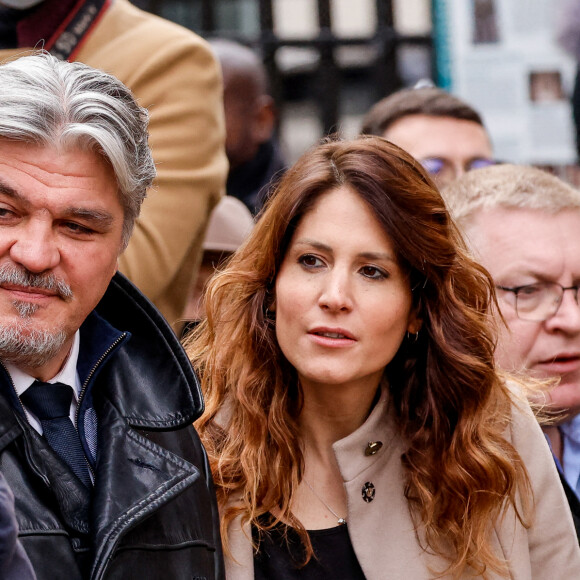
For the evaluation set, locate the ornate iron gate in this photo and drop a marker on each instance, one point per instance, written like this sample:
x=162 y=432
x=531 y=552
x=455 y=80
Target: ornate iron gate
x=385 y=77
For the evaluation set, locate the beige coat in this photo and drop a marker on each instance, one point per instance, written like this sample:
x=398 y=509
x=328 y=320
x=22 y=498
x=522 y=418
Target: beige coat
x=382 y=532
x=173 y=73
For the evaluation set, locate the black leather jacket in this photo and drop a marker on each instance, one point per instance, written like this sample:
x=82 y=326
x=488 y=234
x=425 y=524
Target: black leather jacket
x=153 y=512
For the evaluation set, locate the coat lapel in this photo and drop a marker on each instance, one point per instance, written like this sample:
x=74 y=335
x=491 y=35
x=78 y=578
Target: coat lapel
x=397 y=551
x=134 y=478
x=374 y=484
x=72 y=497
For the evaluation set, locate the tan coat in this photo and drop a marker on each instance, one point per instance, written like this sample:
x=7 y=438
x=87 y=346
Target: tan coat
x=173 y=73
x=382 y=532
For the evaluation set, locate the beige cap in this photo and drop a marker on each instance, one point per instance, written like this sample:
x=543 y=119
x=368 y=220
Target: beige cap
x=230 y=224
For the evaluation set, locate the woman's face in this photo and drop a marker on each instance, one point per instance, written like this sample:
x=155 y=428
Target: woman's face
x=343 y=304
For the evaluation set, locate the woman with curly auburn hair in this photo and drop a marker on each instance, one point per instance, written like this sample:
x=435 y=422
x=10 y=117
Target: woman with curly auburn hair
x=355 y=423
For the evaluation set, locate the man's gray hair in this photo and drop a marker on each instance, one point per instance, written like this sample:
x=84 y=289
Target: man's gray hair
x=66 y=105
x=511 y=186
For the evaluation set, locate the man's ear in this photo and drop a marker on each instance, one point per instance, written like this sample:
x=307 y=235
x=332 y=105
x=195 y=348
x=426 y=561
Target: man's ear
x=265 y=120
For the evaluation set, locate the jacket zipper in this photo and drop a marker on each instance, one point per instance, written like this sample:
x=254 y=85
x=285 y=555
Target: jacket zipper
x=86 y=384
x=92 y=372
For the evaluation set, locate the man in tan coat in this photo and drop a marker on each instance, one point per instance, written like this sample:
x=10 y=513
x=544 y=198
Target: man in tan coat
x=172 y=73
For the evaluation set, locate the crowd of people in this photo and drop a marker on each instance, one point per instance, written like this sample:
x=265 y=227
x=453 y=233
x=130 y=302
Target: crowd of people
x=379 y=373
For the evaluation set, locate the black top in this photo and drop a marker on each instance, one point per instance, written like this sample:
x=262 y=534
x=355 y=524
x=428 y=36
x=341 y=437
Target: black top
x=280 y=555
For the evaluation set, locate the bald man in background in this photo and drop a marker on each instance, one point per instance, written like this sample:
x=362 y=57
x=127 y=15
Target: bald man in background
x=252 y=149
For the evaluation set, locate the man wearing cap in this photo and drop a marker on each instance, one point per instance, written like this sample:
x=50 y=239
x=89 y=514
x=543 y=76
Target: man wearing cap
x=230 y=224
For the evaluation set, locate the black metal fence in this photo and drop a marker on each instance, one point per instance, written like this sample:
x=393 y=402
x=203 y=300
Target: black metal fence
x=325 y=82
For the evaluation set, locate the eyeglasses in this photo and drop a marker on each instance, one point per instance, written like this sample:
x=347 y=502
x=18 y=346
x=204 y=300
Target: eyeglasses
x=443 y=169
x=540 y=301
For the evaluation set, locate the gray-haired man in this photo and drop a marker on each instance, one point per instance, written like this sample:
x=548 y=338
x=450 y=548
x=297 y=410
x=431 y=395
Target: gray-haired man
x=523 y=225
x=96 y=396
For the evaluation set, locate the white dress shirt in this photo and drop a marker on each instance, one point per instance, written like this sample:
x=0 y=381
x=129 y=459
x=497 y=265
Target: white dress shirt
x=67 y=375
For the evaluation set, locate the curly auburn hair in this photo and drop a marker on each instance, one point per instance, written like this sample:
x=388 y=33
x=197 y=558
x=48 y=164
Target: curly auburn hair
x=451 y=405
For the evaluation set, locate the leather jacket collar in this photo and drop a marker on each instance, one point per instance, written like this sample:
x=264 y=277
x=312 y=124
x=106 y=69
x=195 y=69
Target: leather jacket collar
x=153 y=353
x=126 y=327
x=141 y=401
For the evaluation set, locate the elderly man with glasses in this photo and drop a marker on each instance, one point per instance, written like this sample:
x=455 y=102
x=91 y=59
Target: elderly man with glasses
x=523 y=225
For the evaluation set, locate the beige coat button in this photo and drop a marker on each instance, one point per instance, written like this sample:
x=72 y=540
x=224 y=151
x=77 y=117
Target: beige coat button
x=373 y=447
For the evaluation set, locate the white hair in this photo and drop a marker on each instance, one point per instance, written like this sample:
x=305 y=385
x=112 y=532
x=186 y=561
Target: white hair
x=511 y=186
x=65 y=105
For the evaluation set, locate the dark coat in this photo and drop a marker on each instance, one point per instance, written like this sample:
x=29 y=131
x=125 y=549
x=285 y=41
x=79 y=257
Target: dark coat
x=152 y=513
x=252 y=181
x=14 y=564
x=573 y=502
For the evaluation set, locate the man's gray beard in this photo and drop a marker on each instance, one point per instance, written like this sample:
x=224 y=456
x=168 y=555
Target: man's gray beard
x=25 y=309
x=25 y=346
x=19 y=343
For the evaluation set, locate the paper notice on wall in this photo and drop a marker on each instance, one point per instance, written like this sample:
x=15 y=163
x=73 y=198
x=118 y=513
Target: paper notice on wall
x=501 y=56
